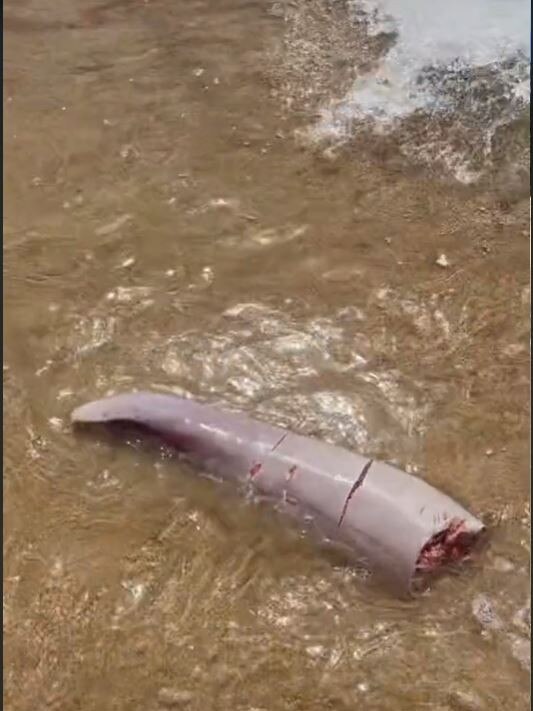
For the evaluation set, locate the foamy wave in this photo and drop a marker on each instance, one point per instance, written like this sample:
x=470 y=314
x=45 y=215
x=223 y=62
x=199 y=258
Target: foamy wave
x=466 y=60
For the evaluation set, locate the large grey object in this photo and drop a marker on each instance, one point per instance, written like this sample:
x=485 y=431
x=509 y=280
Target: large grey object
x=397 y=522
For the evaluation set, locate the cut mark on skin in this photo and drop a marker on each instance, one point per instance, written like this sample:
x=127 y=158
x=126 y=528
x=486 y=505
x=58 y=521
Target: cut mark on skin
x=357 y=483
x=255 y=470
x=291 y=473
x=279 y=441
x=286 y=434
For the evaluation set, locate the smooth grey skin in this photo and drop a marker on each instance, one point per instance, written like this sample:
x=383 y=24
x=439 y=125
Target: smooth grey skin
x=381 y=513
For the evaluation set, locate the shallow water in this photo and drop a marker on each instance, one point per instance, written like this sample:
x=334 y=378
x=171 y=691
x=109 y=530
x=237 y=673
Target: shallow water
x=166 y=227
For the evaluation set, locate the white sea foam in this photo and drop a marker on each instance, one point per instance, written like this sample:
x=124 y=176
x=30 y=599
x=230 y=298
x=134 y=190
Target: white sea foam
x=451 y=34
x=436 y=49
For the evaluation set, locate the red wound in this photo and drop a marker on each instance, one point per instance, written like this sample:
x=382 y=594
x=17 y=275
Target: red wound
x=255 y=469
x=292 y=472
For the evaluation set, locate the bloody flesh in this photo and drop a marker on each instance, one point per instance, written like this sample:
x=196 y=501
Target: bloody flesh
x=451 y=545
